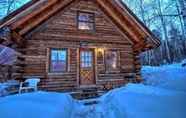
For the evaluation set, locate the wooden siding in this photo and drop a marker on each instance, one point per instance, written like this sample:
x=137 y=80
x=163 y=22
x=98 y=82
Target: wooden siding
x=60 y=31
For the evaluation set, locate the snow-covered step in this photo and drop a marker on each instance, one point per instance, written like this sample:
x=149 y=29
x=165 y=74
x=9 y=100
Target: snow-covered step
x=90 y=101
x=87 y=93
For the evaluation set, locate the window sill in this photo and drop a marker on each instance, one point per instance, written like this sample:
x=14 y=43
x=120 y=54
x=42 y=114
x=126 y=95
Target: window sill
x=86 y=31
x=112 y=71
x=55 y=73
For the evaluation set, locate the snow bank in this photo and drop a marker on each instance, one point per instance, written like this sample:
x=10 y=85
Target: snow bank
x=36 y=105
x=169 y=77
x=162 y=96
x=140 y=101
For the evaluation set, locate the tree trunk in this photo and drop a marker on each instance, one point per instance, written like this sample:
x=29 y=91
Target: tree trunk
x=163 y=24
x=183 y=12
x=180 y=19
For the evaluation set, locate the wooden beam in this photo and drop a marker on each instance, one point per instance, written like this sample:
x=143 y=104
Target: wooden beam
x=17 y=38
x=129 y=16
x=41 y=5
x=139 y=46
x=7 y=43
x=21 y=15
x=45 y=15
x=136 y=22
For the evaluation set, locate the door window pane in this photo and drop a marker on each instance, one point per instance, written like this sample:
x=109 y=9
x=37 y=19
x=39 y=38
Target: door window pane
x=86 y=59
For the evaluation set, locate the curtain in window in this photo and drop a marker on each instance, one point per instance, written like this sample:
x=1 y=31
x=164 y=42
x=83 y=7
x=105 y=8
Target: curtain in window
x=111 y=60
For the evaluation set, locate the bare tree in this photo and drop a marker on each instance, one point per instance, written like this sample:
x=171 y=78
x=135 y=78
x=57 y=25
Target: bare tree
x=183 y=12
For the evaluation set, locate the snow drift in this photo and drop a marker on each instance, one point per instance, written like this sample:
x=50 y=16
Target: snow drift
x=36 y=105
x=162 y=95
x=140 y=101
x=169 y=76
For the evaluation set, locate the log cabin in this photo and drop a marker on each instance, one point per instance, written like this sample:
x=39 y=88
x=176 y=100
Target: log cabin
x=77 y=44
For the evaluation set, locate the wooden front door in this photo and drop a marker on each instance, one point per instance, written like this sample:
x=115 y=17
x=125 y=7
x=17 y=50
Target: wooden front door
x=87 y=67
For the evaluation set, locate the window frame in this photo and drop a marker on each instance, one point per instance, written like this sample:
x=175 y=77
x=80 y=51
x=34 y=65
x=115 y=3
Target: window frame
x=91 y=22
x=50 y=60
x=117 y=61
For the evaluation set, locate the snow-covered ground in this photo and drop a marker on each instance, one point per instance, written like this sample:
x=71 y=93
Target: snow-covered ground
x=162 y=95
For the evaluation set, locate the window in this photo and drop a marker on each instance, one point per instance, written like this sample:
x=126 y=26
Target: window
x=86 y=59
x=111 y=59
x=85 y=21
x=58 y=60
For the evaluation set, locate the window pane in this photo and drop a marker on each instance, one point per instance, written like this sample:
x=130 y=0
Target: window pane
x=62 y=55
x=86 y=21
x=86 y=59
x=58 y=66
x=58 y=60
x=111 y=60
x=54 y=55
x=88 y=17
x=86 y=26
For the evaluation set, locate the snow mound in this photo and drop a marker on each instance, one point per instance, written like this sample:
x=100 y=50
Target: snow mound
x=36 y=105
x=140 y=101
x=169 y=77
x=162 y=95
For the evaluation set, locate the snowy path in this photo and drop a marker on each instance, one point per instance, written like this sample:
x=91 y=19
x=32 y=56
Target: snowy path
x=88 y=112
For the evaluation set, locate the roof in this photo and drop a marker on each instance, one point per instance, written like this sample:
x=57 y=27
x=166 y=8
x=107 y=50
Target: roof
x=36 y=12
x=17 y=11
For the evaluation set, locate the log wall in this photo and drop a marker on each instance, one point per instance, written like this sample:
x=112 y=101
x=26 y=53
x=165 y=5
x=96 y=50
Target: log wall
x=61 y=31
